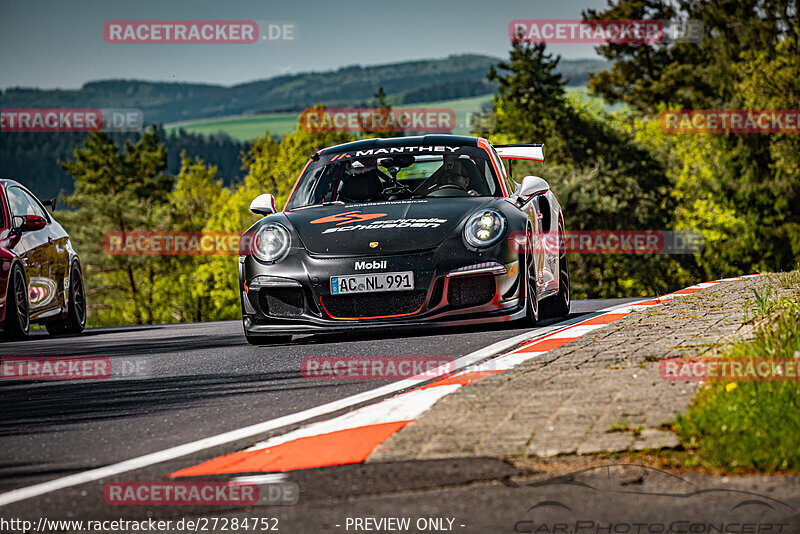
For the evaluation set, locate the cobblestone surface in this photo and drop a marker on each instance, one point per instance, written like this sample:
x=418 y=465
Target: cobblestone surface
x=568 y=400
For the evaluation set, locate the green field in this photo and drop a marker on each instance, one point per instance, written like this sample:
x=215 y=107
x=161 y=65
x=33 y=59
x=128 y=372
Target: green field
x=249 y=127
x=240 y=127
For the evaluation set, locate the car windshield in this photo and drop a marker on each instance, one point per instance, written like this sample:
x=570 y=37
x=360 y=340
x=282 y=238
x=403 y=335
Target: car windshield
x=349 y=178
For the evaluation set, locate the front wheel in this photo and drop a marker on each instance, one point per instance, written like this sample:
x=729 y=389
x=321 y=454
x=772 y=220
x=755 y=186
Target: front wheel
x=18 y=322
x=531 y=299
x=75 y=321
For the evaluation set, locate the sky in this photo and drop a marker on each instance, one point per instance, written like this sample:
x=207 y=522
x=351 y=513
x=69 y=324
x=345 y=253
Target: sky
x=59 y=43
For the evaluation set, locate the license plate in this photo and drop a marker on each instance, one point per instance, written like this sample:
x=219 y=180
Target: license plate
x=369 y=283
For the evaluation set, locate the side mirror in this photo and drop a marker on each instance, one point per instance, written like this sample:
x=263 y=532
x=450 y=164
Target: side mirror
x=32 y=223
x=51 y=203
x=531 y=187
x=263 y=205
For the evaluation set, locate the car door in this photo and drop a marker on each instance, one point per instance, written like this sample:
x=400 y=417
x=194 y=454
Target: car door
x=543 y=212
x=36 y=253
x=540 y=241
x=548 y=224
x=56 y=272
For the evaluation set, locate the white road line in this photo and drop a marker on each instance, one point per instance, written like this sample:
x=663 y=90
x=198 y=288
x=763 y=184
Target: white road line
x=172 y=453
x=576 y=331
x=504 y=362
x=412 y=404
x=267 y=478
x=405 y=407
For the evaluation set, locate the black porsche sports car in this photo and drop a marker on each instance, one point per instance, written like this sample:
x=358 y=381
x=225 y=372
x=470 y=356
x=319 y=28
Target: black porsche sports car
x=404 y=231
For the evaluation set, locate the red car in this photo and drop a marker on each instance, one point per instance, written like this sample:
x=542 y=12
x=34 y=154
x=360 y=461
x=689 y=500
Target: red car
x=40 y=273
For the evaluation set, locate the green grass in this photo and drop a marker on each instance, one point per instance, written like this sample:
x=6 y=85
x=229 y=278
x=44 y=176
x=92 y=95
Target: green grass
x=243 y=128
x=763 y=300
x=249 y=127
x=745 y=426
x=462 y=107
x=622 y=426
x=625 y=426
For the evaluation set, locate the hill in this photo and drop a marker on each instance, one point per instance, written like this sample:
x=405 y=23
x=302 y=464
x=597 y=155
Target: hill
x=197 y=112
x=408 y=82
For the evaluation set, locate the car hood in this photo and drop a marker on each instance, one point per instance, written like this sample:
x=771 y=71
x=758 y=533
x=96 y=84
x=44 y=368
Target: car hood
x=381 y=227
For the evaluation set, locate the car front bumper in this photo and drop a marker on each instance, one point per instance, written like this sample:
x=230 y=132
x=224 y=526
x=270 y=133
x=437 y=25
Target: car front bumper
x=452 y=287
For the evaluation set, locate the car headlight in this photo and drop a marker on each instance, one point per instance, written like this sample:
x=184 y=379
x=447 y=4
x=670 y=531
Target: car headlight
x=271 y=242
x=485 y=228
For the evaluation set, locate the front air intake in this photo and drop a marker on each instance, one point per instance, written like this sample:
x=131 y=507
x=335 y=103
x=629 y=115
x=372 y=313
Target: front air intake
x=373 y=305
x=282 y=301
x=466 y=291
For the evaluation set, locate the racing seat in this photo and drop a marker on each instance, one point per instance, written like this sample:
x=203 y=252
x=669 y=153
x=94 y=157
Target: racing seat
x=361 y=187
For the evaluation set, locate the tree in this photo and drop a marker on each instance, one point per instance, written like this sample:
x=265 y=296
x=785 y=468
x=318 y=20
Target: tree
x=530 y=100
x=117 y=191
x=272 y=166
x=295 y=149
x=603 y=176
x=699 y=74
x=381 y=112
x=739 y=190
x=186 y=295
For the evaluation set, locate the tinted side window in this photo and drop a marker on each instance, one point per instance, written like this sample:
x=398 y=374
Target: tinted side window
x=35 y=206
x=18 y=202
x=499 y=161
x=511 y=185
x=487 y=171
x=22 y=204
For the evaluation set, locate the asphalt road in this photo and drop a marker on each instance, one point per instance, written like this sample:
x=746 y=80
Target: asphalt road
x=188 y=382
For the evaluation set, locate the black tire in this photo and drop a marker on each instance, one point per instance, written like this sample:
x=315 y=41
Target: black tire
x=267 y=340
x=75 y=321
x=18 y=319
x=558 y=305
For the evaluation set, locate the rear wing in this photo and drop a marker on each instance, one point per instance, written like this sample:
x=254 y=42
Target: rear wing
x=531 y=152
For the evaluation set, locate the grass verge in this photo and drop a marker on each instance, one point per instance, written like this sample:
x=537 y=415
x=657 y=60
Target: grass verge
x=752 y=426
